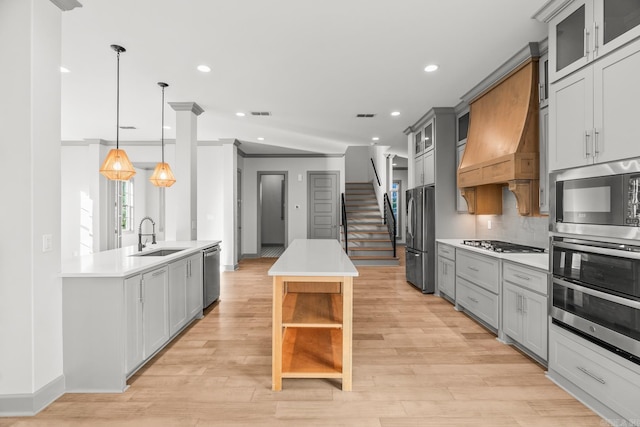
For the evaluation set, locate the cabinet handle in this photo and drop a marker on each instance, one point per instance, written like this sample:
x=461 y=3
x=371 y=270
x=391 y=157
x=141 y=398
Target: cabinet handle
x=473 y=299
x=540 y=93
x=595 y=39
x=141 y=290
x=518 y=304
x=473 y=269
x=586 y=42
x=189 y=268
x=595 y=377
x=157 y=273
x=524 y=304
x=520 y=276
x=595 y=143
x=587 y=153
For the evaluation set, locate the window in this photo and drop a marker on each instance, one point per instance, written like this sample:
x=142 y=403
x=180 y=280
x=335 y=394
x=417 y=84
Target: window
x=126 y=201
x=395 y=203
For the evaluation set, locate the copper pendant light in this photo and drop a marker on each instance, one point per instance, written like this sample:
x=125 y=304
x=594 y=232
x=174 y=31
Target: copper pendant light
x=117 y=166
x=162 y=175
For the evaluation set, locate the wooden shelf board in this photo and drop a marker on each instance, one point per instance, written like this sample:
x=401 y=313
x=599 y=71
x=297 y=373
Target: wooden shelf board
x=312 y=309
x=312 y=353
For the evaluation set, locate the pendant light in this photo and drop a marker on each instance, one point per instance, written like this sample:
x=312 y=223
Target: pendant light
x=117 y=166
x=162 y=175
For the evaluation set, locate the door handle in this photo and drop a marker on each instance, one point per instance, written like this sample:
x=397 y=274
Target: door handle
x=587 y=152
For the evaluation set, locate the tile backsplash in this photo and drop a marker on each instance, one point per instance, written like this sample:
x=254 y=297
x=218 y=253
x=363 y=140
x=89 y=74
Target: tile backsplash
x=511 y=227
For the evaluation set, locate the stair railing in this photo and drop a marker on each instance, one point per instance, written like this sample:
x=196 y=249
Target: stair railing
x=345 y=225
x=375 y=171
x=390 y=220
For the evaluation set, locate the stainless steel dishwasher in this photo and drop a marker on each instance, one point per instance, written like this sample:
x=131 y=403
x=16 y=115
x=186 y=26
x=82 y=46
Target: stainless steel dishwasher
x=211 y=275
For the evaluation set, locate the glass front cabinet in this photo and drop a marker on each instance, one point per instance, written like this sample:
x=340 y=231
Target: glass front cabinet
x=586 y=30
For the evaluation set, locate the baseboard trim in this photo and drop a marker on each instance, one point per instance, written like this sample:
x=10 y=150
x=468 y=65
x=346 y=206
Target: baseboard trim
x=250 y=256
x=29 y=404
x=233 y=267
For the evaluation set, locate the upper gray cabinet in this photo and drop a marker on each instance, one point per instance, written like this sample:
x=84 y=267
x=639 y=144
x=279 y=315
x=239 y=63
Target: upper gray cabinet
x=583 y=31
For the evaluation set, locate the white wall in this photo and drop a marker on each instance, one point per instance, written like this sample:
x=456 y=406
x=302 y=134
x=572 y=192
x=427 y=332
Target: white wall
x=210 y=193
x=296 y=196
x=30 y=291
x=357 y=164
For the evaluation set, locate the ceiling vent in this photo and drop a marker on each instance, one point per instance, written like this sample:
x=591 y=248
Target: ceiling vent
x=128 y=127
x=260 y=113
x=365 y=115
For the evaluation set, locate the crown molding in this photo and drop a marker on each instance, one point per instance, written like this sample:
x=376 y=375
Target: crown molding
x=66 y=5
x=187 y=106
x=550 y=9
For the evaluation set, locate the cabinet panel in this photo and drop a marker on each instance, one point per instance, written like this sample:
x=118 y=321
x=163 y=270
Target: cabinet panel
x=133 y=311
x=609 y=382
x=155 y=310
x=528 y=278
x=429 y=168
x=446 y=251
x=571 y=121
x=481 y=303
x=615 y=104
x=534 y=325
x=511 y=311
x=461 y=203
x=618 y=22
x=478 y=269
x=194 y=287
x=429 y=142
x=544 y=155
x=419 y=171
x=446 y=277
x=177 y=295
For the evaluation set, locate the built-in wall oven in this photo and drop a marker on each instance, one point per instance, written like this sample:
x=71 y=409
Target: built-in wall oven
x=596 y=292
x=595 y=254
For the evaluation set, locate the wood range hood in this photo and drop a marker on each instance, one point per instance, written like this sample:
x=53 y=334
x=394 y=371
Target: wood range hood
x=502 y=144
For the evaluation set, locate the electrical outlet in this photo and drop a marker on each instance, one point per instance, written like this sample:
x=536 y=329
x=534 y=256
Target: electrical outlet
x=489 y=225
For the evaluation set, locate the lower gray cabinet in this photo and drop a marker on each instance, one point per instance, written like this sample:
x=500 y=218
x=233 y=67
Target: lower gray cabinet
x=185 y=291
x=147 y=316
x=447 y=271
x=524 y=307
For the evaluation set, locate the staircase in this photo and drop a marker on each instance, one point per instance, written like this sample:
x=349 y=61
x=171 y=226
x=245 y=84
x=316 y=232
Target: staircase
x=367 y=235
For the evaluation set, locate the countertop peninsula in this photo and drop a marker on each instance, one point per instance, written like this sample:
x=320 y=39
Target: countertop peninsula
x=123 y=262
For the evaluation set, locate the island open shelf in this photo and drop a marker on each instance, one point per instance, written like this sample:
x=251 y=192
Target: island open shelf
x=312 y=312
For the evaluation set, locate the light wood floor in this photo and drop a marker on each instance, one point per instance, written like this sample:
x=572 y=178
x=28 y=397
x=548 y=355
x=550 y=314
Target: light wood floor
x=416 y=362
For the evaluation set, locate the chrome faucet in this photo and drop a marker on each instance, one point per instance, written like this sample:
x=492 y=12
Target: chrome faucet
x=153 y=233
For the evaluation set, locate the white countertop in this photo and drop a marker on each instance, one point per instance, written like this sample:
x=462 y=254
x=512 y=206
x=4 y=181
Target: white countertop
x=313 y=257
x=121 y=263
x=536 y=260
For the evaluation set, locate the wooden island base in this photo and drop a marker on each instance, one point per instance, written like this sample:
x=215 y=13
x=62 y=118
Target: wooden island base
x=312 y=322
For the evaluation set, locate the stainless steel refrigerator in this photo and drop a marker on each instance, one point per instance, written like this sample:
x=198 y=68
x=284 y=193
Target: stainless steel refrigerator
x=420 y=227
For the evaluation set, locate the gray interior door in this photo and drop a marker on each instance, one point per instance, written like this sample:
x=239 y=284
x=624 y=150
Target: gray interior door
x=323 y=205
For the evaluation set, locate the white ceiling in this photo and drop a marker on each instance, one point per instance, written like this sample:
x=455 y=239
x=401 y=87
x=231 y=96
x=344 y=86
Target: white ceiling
x=314 y=64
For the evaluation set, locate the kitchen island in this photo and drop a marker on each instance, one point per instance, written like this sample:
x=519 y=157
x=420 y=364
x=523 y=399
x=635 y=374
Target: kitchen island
x=312 y=312
x=120 y=307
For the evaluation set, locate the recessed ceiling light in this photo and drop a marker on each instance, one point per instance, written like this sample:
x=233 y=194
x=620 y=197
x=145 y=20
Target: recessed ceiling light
x=260 y=138
x=431 y=68
x=64 y=69
x=394 y=164
x=166 y=127
x=375 y=138
x=204 y=68
x=395 y=113
x=240 y=114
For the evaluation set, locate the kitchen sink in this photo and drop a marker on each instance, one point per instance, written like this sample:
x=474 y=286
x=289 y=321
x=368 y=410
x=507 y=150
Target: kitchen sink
x=159 y=252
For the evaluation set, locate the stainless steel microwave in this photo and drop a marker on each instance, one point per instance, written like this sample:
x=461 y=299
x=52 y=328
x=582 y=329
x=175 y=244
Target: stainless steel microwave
x=599 y=200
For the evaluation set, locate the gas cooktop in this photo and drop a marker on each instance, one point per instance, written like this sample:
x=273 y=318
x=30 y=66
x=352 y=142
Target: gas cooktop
x=500 y=246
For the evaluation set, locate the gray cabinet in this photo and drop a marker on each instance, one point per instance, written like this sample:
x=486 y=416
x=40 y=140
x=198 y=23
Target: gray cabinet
x=477 y=286
x=592 y=112
x=447 y=271
x=544 y=171
x=608 y=383
x=524 y=307
x=587 y=30
x=155 y=310
x=134 y=346
x=185 y=291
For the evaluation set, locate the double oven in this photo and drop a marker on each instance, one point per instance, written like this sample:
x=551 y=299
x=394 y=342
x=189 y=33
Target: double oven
x=595 y=254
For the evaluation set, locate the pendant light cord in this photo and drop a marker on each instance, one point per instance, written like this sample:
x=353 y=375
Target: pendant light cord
x=162 y=124
x=118 y=102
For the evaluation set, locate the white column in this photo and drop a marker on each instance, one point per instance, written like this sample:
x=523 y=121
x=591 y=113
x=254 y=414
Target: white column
x=30 y=291
x=229 y=203
x=182 y=197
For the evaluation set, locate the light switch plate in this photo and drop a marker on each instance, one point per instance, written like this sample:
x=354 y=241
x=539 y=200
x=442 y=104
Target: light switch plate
x=47 y=243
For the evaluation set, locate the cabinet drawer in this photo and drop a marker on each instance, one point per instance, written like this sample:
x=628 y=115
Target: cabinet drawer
x=478 y=269
x=528 y=278
x=481 y=303
x=602 y=377
x=446 y=251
